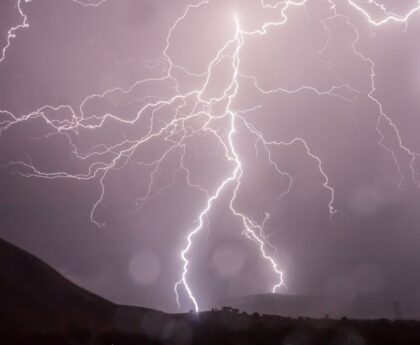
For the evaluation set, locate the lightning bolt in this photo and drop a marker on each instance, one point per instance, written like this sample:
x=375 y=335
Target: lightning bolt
x=252 y=230
x=12 y=33
x=383 y=117
x=388 y=15
x=192 y=114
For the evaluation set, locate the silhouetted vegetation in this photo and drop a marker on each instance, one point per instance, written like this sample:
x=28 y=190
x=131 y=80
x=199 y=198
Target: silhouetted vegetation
x=230 y=326
x=40 y=307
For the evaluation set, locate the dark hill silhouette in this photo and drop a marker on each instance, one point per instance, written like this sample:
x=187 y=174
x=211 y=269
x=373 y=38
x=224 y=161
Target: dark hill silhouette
x=368 y=306
x=38 y=306
x=34 y=298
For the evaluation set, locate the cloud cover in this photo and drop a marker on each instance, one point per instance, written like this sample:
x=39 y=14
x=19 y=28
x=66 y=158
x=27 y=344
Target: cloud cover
x=71 y=51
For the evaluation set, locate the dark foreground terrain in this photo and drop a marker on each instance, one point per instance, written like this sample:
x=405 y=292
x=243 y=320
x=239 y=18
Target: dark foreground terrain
x=40 y=307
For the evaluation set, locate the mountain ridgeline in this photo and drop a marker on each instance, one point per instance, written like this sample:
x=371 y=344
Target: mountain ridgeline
x=38 y=306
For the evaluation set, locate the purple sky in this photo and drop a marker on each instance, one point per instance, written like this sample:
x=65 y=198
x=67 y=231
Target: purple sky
x=355 y=137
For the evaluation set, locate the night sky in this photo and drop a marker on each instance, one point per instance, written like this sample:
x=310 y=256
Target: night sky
x=325 y=103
